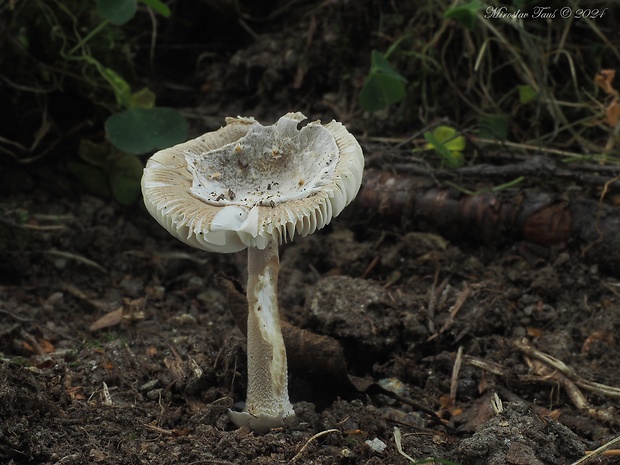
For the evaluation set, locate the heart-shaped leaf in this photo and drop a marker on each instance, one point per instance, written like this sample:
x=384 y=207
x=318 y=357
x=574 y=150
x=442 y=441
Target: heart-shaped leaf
x=384 y=85
x=118 y=12
x=159 y=6
x=142 y=130
x=493 y=127
x=465 y=14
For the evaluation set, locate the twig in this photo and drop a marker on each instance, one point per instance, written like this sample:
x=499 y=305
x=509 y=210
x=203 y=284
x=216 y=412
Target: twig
x=497 y=404
x=157 y=429
x=454 y=382
x=460 y=300
x=553 y=362
x=485 y=365
x=536 y=148
x=597 y=453
x=436 y=290
x=373 y=264
x=305 y=446
x=15 y=317
x=36 y=347
x=77 y=258
x=544 y=372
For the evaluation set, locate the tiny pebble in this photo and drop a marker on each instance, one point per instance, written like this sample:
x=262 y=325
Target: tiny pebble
x=377 y=445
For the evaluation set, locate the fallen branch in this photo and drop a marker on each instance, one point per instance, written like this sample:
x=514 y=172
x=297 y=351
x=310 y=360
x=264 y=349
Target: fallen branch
x=313 y=438
x=528 y=214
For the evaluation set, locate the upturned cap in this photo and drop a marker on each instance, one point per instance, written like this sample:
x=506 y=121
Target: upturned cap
x=248 y=185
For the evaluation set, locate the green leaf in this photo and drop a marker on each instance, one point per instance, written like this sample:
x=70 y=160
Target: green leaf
x=141 y=130
x=380 y=65
x=144 y=98
x=379 y=92
x=449 y=138
x=384 y=85
x=493 y=127
x=93 y=153
x=91 y=177
x=118 y=12
x=158 y=6
x=125 y=175
x=527 y=94
x=465 y=14
x=448 y=144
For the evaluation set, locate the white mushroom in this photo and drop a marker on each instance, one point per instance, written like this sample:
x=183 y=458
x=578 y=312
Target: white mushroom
x=252 y=186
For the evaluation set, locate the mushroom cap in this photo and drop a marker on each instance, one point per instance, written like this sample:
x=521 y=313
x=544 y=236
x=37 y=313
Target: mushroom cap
x=248 y=185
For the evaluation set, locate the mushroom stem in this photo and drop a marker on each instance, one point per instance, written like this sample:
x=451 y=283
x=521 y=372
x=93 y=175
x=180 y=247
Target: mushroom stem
x=267 y=403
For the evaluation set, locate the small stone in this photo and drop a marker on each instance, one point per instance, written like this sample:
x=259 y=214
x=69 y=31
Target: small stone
x=376 y=444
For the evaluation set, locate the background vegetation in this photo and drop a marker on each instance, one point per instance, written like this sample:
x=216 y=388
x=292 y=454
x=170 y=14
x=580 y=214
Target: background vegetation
x=88 y=87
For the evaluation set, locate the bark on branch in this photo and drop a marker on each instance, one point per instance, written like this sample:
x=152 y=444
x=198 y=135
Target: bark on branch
x=529 y=214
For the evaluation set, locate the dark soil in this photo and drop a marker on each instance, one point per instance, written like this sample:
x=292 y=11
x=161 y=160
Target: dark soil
x=155 y=386
x=443 y=336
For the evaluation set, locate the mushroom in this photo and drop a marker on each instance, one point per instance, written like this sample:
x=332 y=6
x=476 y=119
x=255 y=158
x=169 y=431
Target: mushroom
x=252 y=186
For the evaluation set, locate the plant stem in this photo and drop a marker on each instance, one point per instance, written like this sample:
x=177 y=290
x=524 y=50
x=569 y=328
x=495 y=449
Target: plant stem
x=89 y=36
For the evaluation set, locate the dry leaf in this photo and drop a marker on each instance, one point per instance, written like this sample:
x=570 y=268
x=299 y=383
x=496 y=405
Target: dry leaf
x=109 y=319
x=43 y=346
x=534 y=332
x=129 y=312
x=604 y=80
x=75 y=394
x=446 y=402
x=47 y=346
x=598 y=336
x=27 y=346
